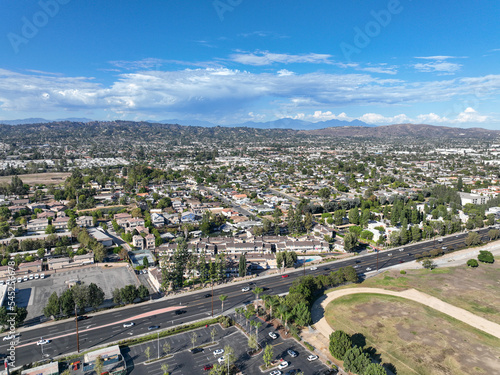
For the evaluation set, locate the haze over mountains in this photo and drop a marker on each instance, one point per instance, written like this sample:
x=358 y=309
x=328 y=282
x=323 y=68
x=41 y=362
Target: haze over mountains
x=284 y=123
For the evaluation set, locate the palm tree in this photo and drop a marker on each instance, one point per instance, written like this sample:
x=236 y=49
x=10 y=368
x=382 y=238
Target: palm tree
x=274 y=302
x=257 y=326
x=222 y=298
x=283 y=309
x=239 y=311
x=257 y=291
x=248 y=315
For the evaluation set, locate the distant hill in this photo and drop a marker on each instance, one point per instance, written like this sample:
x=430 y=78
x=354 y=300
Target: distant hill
x=404 y=130
x=284 y=123
x=37 y=120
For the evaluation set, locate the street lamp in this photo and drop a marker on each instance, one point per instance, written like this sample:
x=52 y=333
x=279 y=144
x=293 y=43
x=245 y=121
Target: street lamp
x=77 y=339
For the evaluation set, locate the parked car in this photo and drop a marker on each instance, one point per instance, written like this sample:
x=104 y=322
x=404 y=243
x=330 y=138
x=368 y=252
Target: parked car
x=292 y=353
x=37 y=276
x=208 y=367
x=275 y=372
x=221 y=359
x=273 y=335
x=19 y=280
x=42 y=276
x=283 y=365
x=129 y=324
x=218 y=352
x=312 y=357
x=31 y=277
x=25 y=278
x=196 y=350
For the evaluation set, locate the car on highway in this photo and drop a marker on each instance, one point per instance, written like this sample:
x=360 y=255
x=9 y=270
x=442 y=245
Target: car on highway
x=312 y=357
x=179 y=312
x=368 y=269
x=355 y=266
x=196 y=350
x=42 y=342
x=357 y=261
x=444 y=247
x=389 y=255
x=208 y=367
x=218 y=352
x=275 y=372
x=245 y=289
x=129 y=324
x=208 y=295
x=292 y=353
x=273 y=335
x=283 y=365
x=81 y=317
x=402 y=249
x=10 y=337
x=313 y=268
x=150 y=328
x=283 y=276
x=400 y=261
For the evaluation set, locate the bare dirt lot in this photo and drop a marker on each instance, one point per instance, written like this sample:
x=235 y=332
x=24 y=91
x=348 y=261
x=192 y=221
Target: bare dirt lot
x=473 y=289
x=414 y=338
x=39 y=178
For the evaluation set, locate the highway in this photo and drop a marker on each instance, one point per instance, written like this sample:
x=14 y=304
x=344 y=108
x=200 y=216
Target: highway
x=108 y=326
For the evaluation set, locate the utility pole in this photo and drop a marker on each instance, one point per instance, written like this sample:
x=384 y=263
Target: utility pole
x=77 y=339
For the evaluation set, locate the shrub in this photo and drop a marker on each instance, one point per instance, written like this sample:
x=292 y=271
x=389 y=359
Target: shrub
x=309 y=346
x=402 y=272
x=472 y=263
x=485 y=256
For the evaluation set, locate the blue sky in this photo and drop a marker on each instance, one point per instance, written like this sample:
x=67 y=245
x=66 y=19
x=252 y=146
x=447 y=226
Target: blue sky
x=231 y=61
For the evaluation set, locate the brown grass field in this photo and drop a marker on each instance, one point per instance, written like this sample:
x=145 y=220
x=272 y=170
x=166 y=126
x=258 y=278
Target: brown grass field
x=414 y=338
x=417 y=339
x=39 y=178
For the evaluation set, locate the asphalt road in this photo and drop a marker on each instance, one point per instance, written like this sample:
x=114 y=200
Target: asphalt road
x=108 y=327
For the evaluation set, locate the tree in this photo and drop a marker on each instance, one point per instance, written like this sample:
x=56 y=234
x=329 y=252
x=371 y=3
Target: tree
x=99 y=252
x=53 y=307
x=143 y=291
x=166 y=347
x=268 y=355
x=493 y=234
x=472 y=239
x=350 y=241
x=147 y=353
x=485 y=256
x=428 y=264
x=40 y=253
x=222 y=298
x=50 y=229
x=128 y=293
x=99 y=364
x=302 y=314
x=472 y=263
x=252 y=342
x=229 y=356
x=355 y=360
x=164 y=368
x=340 y=343
x=19 y=314
x=242 y=268
x=145 y=262
x=117 y=296
x=81 y=295
x=96 y=296
x=213 y=333
x=257 y=291
x=193 y=337
x=67 y=303
x=354 y=216
x=374 y=369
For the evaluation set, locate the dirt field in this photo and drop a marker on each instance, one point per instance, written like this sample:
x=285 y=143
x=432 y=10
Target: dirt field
x=475 y=290
x=39 y=178
x=414 y=338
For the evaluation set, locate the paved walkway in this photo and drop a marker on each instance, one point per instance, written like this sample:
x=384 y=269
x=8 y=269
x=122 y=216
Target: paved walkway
x=412 y=294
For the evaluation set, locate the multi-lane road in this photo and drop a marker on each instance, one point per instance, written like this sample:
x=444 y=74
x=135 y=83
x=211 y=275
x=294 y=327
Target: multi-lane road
x=106 y=327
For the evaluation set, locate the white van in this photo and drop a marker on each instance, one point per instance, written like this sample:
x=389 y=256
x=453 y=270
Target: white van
x=25 y=278
x=19 y=280
x=42 y=276
x=37 y=276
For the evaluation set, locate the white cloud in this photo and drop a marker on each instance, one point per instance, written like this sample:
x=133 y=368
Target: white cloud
x=261 y=58
x=442 y=67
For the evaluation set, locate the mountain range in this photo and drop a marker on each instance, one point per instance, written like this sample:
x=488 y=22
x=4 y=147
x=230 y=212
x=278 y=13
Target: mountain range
x=284 y=123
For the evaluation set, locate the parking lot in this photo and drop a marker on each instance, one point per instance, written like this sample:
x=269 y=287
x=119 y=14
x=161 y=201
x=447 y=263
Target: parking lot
x=182 y=361
x=34 y=294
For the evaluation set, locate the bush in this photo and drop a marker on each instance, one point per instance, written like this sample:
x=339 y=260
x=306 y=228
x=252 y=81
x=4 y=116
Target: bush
x=485 y=256
x=340 y=343
x=402 y=272
x=472 y=263
x=309 y=346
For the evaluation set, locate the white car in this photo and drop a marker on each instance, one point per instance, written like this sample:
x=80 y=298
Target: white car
x=313 y=268
x=218 y=352
x=402 y=249
x=221 y=359
x=245 y=289
x=42 y=342
x=273 y=335
x=389 y=255
x=275 y=372
x=129 y=324
x=312 y=357
x=283 y=365
x=356 y=266
x=368 y=269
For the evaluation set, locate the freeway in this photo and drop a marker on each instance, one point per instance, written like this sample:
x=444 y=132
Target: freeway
x=107 y=327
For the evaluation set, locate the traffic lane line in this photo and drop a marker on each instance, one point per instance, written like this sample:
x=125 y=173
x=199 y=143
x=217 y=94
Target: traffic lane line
x=140 y=316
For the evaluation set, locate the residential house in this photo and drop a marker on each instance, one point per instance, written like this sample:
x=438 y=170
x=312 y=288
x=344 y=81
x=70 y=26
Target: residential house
x=37 y=225
x=84 y=221
x=60 y=223
x=58 y=263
